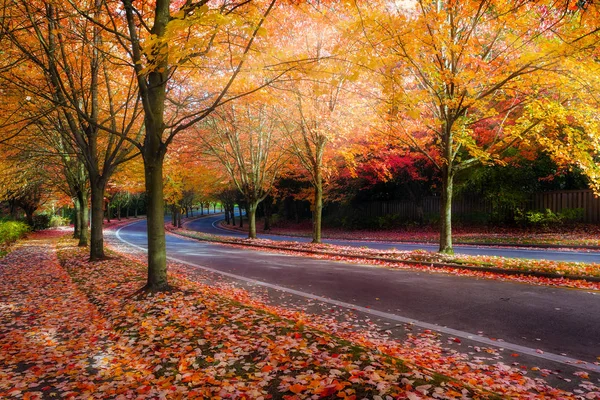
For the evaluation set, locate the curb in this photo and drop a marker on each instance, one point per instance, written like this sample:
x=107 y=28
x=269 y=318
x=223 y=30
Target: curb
x=480 y=244
x=409 y=262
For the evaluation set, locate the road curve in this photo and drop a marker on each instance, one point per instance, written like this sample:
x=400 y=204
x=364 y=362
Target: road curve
x=553 y=320
x=210 y=225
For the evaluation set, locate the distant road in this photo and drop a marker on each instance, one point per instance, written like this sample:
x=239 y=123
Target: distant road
x=210 y=225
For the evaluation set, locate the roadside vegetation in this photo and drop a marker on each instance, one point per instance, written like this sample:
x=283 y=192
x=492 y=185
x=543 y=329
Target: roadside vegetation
x=10 y=232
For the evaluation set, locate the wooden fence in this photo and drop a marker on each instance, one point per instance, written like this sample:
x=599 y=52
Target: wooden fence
x=569 y=199
x=472 y=205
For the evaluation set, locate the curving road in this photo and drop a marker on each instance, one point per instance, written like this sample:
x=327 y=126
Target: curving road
x=210 y=225
x=558 y=325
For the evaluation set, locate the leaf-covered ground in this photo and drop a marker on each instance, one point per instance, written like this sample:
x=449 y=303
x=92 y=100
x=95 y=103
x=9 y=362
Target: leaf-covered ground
x=564 y=236
x=488 y=266
x=74 y=329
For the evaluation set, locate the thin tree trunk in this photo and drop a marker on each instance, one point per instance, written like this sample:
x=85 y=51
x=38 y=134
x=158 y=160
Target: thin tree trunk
x=446 y=213
x=251 y=212
x=108 y=211
x=173 y=215
x=96 y=238
x=84 y=218
x=318 y=208
x=77 y=222
x=119 y=211
x=232 y=212
x=241 y=216
x=267 y=209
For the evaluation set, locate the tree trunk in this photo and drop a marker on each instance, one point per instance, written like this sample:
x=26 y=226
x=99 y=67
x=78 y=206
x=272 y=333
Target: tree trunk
x=318 y=208
x=251 y=212
x=127 y=211
x=179 y=214
x=84 y=218
x=296 y=214
x=77 y=222
x=108 y=211
x=157 y=252
x=446 y=212
x=232 y=212
x=119 y=211
x=173 y=215
x=267 y=209
x=241 y=216
x=96 y=238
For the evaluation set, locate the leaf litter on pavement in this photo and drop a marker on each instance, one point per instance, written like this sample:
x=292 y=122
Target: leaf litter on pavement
x=72 y=329
x=423 y=260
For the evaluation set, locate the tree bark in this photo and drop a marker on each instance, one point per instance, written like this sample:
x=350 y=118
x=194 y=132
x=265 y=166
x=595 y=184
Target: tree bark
x=251 y=209
x=96 y=238
x=157 y=253
x=84 y=218
x=318 y=207
x=77 y=222
x=232 y=212
x=446 y=212
x=267 y=209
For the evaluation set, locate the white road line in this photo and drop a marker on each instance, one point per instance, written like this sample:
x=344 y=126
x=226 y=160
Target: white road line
x=393 y=317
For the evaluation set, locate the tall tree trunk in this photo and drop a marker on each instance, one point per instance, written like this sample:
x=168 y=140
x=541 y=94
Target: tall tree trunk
x=446 y=212
x=127 y=211
x=173 y=215
x=318 y=207
x=251 y=212
x=179 y=214
x=232 y=212
x=157 y=252
x=96 y=238
x=77 y=222
x=119 y=211
x=108 y=211
x=267 y=209
x=240 y=208
x=84 y=218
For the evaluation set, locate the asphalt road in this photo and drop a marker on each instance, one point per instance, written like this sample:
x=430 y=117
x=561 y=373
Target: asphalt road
x=209 y=225
x=532 y=319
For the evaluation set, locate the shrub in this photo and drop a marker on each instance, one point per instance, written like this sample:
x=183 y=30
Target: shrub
x=56 y=220
x=11 y=231
x=41 y=221
x=542 y=219
x=572 y=214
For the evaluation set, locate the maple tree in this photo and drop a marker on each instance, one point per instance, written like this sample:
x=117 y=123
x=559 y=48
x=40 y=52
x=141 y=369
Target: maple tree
x=455 y=77
x=246 y=139
x=65 y=72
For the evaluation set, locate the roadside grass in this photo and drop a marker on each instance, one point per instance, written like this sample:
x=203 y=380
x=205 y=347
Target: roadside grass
x=556 y=273
x=577 y=235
